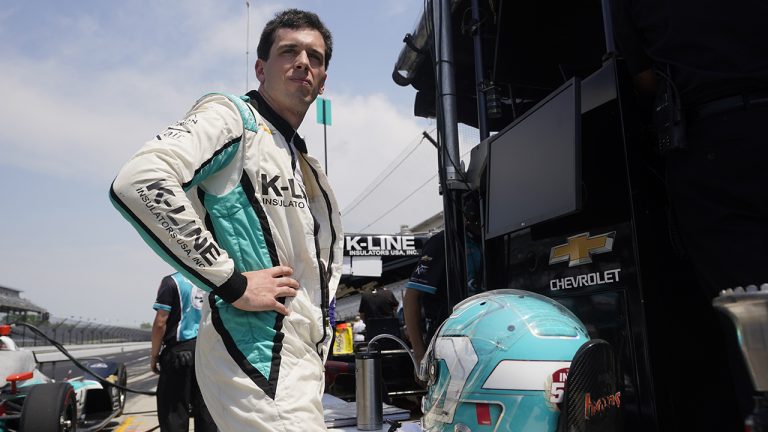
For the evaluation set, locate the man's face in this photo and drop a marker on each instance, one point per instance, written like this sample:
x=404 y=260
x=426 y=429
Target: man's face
x=295 y=73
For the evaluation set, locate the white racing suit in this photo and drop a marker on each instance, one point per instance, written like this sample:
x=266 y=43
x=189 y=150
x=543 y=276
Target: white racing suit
x=222 y=192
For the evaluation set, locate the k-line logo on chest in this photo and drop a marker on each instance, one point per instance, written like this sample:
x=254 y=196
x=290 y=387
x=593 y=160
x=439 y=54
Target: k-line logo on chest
x=286 y=193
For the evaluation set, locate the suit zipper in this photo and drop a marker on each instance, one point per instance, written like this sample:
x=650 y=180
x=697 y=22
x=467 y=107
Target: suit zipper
x=325 y=272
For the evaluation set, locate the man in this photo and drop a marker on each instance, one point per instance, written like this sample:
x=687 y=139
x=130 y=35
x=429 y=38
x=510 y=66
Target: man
x=709 y=59
x=172 y=355
x=377 y=303
x=425 y=302
x=230 y=198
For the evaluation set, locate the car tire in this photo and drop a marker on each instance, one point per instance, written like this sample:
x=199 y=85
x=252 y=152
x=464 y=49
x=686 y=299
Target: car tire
x=49 y=408
x=122 y=381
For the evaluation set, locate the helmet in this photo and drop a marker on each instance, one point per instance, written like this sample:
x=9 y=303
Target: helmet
x=499 y=363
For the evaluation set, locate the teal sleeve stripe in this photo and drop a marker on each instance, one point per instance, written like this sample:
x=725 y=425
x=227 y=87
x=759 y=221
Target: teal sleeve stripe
x=225 y=155
x=249 y=121
x=159 y=249
x=419 y=287
x=160 y=306
x=220 y=159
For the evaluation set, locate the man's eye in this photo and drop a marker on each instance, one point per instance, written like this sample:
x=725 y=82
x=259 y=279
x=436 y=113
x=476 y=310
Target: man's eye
x=317 y=58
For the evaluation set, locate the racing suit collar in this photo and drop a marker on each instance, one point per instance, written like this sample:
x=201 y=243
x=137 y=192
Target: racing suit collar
x=274 y=118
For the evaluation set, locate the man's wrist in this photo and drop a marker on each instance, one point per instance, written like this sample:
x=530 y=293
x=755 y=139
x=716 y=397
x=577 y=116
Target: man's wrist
x=234 y=288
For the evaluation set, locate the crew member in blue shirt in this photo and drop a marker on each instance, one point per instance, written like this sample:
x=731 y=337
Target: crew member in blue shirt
x=174 y=333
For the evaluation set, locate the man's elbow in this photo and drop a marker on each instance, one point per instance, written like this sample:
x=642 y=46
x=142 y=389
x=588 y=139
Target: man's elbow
x=119 y=191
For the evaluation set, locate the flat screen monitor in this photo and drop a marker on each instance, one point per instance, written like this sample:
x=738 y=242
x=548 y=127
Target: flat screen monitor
x=534 y=164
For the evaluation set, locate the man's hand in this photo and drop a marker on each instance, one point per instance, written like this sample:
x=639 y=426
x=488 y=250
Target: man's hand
x=153 y=364
x=265 y=287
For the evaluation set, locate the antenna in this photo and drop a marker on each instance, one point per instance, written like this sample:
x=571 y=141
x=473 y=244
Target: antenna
x=247 y=41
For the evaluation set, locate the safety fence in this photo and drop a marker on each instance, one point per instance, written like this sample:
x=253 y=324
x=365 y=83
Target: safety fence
x=70 y=331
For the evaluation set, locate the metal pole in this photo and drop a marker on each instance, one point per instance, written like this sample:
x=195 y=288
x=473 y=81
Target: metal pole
x=247 y=43
x=324 y=102
x=449 y=152
x=325 y=140
x=446 y=90
x=610 y=45
x=482 y=115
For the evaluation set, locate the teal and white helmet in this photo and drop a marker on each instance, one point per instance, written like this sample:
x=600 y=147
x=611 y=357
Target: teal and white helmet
x=499 y=363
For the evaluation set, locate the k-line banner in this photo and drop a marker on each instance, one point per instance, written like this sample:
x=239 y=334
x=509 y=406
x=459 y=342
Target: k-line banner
x=386 y=245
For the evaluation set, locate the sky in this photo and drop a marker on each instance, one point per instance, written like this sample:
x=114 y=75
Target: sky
x=86 y=83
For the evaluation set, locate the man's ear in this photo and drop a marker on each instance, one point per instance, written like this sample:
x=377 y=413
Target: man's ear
x=259 y=70
x=322 y=86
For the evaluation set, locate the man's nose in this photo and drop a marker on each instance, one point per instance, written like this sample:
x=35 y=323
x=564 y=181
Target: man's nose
x=302 y=60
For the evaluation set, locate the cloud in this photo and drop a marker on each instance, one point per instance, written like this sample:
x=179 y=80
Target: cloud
x=368 y=133
x=59 y=114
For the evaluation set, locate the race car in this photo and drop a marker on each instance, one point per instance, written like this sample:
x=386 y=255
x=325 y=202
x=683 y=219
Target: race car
x=31 y=401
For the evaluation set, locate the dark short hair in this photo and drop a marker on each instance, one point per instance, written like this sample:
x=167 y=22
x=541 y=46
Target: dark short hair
x=293 y=19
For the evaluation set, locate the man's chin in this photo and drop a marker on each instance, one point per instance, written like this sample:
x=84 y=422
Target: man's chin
x=308 y=98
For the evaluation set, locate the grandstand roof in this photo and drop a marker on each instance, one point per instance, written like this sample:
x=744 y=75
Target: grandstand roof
x=11 y=300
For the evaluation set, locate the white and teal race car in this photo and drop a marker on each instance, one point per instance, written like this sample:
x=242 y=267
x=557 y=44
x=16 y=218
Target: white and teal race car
x=31 y=401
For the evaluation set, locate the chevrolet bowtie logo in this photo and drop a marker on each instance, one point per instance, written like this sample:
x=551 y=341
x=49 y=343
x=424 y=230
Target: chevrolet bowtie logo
x=580 y=248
